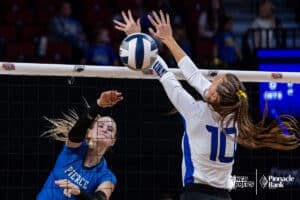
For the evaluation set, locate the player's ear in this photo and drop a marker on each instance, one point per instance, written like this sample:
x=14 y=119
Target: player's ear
x=214 y=97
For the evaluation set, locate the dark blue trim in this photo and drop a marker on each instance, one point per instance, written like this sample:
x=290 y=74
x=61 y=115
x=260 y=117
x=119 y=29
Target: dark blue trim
x=214 y=141
x=189 y=167
x=279 y=121
x=139 y=52
x=222 y=156
x=279 y=67
x=288 y=53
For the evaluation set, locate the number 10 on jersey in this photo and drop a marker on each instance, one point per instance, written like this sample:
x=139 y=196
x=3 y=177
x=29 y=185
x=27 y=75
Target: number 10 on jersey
x=215 y=143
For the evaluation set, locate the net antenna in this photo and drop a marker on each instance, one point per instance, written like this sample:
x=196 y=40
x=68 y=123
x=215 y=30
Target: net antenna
x=121 y=72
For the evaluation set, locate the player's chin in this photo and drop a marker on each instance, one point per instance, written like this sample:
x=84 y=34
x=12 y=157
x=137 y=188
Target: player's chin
x=105 y=142
x=92 y=144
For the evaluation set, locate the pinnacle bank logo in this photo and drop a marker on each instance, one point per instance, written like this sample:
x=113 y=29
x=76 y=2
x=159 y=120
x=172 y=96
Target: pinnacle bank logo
x=263 y=181
x=275 y=182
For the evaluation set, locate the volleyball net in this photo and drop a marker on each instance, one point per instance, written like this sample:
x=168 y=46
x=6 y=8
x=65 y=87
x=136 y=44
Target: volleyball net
x=147 y=156
x=35 y=69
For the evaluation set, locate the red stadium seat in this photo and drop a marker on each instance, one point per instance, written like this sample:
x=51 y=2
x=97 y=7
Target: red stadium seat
x=14 y=5
x=58 y=50
x=103 y=3
x=46 y=10
x=93 y=16
x=22 y=17
x=124 y=4
x=8 y=33
x=31 y=33
x=20 y=51
x=204 y=50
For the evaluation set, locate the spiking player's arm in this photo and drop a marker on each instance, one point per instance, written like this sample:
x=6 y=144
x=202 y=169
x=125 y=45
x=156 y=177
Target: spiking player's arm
x=180 y=98
x=163 y=33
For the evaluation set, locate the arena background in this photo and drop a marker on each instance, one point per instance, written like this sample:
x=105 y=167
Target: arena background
x=147 y=155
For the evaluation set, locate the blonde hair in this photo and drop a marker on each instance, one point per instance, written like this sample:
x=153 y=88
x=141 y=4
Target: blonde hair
x=60 y=127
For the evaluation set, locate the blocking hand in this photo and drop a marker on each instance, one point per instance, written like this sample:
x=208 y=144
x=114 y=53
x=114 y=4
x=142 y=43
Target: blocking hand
x=129 y=26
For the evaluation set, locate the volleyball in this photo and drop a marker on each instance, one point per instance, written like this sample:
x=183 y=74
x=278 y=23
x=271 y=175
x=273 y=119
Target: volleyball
x=138 y=51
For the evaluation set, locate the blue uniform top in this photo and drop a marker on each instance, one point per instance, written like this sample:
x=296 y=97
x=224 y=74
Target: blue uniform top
x=100 y=55
x=69 y=165
x=226 y=47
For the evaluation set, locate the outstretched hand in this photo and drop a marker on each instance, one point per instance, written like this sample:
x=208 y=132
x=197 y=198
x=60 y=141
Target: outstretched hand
x=69 y=187
x=109 y=98
x=162 y=25
x=129 y=26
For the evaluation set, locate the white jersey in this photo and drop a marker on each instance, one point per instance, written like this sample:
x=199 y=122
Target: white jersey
x=208 y=153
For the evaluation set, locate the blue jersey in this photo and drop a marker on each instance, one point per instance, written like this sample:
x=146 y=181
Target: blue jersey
x=69 y=165
x=226 y=47
x=100 y=55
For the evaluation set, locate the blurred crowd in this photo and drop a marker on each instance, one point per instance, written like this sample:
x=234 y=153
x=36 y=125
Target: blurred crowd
x=81 y=31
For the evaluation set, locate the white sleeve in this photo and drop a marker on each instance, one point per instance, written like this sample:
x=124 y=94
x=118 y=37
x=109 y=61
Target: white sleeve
x=180 y=98
x=193 y=76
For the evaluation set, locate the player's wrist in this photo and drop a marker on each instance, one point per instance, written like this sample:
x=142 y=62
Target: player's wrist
x=99 y=195
x=168 y=40
x=159 y=68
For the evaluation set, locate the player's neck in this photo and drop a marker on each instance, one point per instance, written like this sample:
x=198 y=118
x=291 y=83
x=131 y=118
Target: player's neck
x=93 y=157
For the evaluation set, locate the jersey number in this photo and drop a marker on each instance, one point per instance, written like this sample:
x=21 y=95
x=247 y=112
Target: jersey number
x=214 y=144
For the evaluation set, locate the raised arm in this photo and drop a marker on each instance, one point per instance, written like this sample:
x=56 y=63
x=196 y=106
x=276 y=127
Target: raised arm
x=78 y=132
x=163 y=33
x=180 y=98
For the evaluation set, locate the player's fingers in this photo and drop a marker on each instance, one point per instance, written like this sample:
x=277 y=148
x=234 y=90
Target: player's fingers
x=162 y=17
x=125 y=17
x=117 y=98
x=66 y=193
x=138 y=21
x=153 y=22
x=168 y=19
x=152 y=32
x=119 y=28
x=130 y=15
x=61 y=181
x=119 y=23
x=64 y=183
x=156 y=17
x=118 y=93
x=61 y=185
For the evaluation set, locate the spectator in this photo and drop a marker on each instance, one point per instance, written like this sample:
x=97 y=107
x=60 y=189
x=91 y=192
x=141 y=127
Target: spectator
x=138 y=8
x=209 y=20
x=265 y=21
x=225 y=47
x=183 y=41
x=64 y=28
x=101 y=53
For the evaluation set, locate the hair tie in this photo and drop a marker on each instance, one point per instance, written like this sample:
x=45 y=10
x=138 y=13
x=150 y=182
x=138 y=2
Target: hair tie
x=241 y=93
